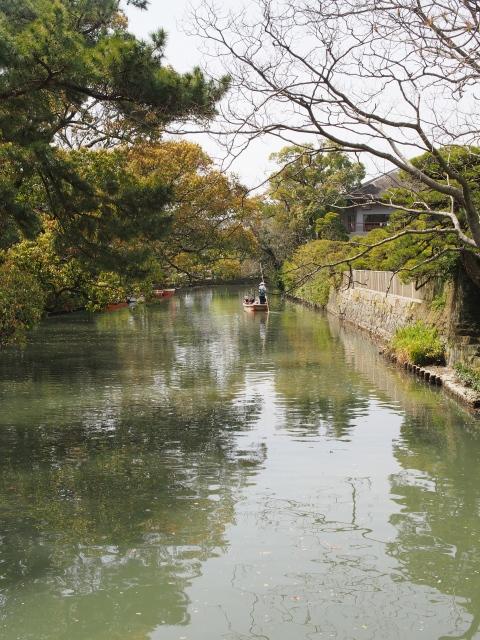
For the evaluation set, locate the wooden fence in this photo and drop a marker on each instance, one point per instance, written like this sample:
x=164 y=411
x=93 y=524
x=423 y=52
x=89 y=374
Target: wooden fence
x=385 y=282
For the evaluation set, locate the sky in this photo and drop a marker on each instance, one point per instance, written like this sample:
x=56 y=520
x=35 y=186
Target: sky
x=183 y=53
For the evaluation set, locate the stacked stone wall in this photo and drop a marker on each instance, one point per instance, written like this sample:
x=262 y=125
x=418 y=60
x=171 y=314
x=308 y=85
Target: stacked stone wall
x=375 y=312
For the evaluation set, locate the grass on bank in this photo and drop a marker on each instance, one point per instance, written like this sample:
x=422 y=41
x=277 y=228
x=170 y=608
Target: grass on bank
x=418 y=344
x=469 y=376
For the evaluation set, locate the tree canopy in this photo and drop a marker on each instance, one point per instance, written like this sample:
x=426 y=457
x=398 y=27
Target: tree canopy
x=416 y=243
x=209 y=211
x=74 y=65
x=78 y=92
x=305 y=193
x=311 y=183
x=72 y=75
x=152 y=213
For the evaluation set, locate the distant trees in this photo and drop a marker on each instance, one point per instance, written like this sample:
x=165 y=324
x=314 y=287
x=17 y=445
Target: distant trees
x=309 y=184
x=418 y=247
x=430 y=248
x=304 y=197
x=152 y=213
x=208 y=213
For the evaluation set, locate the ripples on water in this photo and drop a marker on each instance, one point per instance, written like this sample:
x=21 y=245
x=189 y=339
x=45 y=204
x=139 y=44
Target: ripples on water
x=192 y=471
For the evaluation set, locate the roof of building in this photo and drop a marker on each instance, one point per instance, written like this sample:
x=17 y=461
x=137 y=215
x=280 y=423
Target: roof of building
x=376 y=187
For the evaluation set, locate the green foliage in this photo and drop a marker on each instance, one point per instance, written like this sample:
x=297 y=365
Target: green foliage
x=106 y=288
x=469 y=376
x=409 y=255
x=107 y=217
x=311 y=183
x=21 y=303
x=464 y=159
x=209 y=212
x=330 y=227
x=438 y=303
x=73 y=74
x=308 y=187
x=68 y=283
x=56 y=55
x=422 y=256
x=90 y=225
x=434 y=255
x=417 y=257
x=303 y=276
x=418 y=344
x=117 y=212
x=127 y=242
x=315 y=292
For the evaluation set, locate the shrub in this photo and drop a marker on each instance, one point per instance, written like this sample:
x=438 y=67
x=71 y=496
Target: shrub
x=418 y=344
x=302 y=277
x=469 y=376
x=22 y=302
x=438 y=303
x=316 y=291
x=331 y=227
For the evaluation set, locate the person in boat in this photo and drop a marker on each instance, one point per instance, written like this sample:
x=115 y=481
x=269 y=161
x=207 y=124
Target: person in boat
x=249 y=299
x=262 y=293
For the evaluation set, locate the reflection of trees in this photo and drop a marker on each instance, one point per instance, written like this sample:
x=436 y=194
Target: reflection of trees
x=438 y=543
x=316 y=385
x=120 y=470
x=438 y=540
x=378 y=378
x=121 y=467
x=162 y=507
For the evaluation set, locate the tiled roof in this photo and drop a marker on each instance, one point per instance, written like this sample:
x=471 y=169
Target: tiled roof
x=376 y=187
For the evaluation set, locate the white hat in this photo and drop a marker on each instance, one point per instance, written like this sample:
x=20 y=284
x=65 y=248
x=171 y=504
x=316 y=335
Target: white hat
x=262 y=282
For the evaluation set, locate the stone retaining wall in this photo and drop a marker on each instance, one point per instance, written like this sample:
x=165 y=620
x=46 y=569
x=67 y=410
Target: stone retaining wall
x=375 y=312
x=458 y=320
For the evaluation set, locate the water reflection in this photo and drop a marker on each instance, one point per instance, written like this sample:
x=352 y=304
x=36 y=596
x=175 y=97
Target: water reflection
x=438 y=524
x=190 y=470
x=120 y=470
x=314 y=383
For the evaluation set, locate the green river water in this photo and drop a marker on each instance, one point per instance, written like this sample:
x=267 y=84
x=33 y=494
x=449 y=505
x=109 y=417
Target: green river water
x=189 y=471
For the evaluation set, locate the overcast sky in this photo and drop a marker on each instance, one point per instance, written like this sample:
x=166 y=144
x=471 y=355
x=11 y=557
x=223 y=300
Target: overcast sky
x=183 y=53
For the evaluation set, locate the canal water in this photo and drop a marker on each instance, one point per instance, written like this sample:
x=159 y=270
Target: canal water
x=188 y=471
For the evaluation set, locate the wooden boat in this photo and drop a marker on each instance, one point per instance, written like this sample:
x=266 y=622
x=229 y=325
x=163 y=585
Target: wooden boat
x=163 y=293
x=255 y=306
x=115 y=306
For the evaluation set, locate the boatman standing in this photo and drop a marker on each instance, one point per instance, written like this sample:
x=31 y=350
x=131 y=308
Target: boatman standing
x=262 y=293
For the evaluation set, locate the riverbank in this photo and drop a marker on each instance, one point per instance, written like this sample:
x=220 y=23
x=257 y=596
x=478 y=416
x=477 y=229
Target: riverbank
x=149 y=298
x=379 y=328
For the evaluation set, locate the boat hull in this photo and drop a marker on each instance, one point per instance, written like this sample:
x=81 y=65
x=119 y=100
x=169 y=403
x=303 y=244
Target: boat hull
x=115 y=306
x=255 y=307
x=163 y=293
